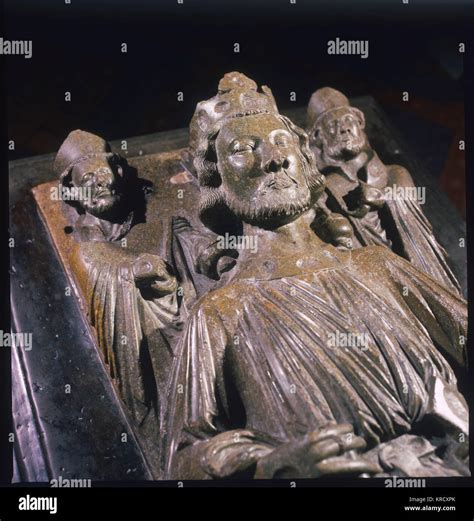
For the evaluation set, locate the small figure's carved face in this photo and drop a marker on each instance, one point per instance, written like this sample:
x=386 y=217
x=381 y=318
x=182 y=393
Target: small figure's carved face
x=262 y=169
x=100 y=182
x=340 y=133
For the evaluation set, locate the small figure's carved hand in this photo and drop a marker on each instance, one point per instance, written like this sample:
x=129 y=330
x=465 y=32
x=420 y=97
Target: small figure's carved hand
x=371 y=195
x=213 y=261
x=335 y=229
x=151 y=273
x=328 y=451
x=363 y=199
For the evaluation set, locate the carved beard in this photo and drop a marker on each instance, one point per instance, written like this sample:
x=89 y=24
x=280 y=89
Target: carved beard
x=272 y=205
x=101 y=206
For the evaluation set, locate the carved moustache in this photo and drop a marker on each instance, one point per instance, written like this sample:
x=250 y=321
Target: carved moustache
x=104 y=192
x=277 y=181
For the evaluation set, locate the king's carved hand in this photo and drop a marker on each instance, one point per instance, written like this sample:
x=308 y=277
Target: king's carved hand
x=152 y=274
x=332 y=450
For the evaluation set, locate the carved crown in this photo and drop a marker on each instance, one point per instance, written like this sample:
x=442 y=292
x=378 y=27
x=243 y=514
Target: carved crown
x=237 y=96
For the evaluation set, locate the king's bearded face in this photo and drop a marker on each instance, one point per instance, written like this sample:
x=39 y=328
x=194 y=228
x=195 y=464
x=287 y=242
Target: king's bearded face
x=99 y=184
x=340 y=134
x=264 y=173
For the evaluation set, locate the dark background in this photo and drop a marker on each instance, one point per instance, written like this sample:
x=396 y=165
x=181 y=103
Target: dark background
x=187 y=47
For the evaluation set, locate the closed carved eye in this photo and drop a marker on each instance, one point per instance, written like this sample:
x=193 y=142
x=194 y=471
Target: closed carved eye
x=243 y=147
x=282 y=142
x=88 y=178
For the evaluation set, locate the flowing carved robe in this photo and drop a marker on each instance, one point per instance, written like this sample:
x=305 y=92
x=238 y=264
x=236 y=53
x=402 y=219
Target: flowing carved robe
x=409 y=232
x=134 y=331
x=256 y=354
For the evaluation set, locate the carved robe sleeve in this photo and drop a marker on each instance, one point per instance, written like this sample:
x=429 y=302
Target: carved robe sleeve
x=415 y=238
x=129 y=327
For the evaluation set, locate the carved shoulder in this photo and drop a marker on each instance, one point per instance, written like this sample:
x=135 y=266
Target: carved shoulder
x=399 y=176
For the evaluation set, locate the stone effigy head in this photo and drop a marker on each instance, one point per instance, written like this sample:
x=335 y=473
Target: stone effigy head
x=335 y=127
x=86 y=165
x=253 y=164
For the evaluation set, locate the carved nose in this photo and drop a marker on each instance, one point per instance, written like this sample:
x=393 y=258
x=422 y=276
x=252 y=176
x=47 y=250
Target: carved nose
x=275 y=161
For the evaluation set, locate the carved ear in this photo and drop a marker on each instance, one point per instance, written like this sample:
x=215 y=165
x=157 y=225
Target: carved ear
x=65 y=181
x=360 y=117
x=121 y=167
x=315 y=137
x=66 y=178
x=125 y=171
